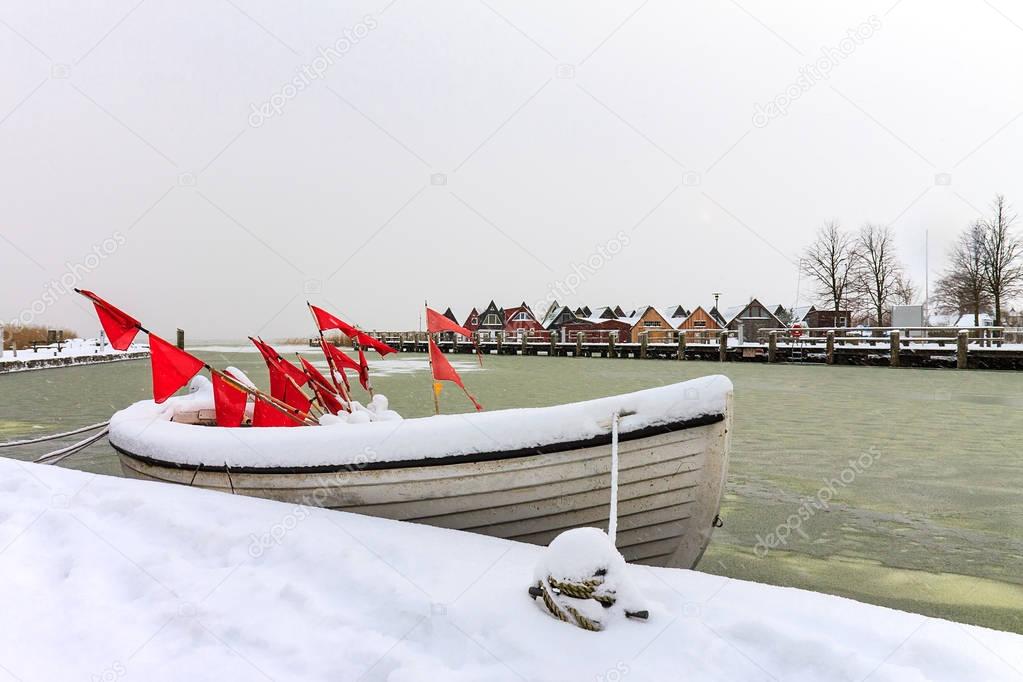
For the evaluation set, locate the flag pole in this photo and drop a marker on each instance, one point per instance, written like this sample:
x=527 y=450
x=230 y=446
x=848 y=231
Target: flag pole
x=330 y=361
x=429 y=354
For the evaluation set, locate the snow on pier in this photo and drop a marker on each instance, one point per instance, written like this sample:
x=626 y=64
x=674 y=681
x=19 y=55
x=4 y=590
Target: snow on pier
x=66 y=354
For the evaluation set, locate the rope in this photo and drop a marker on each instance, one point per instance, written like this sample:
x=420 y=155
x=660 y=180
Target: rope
x=53 y=436
x=612 y=524
x=60 y=455
x=556 y=594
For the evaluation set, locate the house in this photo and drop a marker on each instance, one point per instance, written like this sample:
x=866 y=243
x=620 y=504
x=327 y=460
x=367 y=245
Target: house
x=520 y=320
x=749 y=319
x=828 y=319
x=961 y=320
x=450 y=315
x=646 y=319
x=596 y=328
x=558 y=317
x=486 y=320
x=701 y=319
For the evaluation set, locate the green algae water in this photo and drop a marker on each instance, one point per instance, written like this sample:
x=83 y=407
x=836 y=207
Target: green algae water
x=896 y=487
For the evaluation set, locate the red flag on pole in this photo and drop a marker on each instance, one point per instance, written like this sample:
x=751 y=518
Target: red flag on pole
x=324 y=391
x=325 y=321
x=172 y=367
x=315 y=377
x=265 y=414
x=443 y=371
x=120 y=327
x=363 y=370
x=330 y=352
x=229 y=402
x=435 y=322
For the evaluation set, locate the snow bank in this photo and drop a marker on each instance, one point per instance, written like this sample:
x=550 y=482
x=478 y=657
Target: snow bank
x=106 y=578
x=145 y=429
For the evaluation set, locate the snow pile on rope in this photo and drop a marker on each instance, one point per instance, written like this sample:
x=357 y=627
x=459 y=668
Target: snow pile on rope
x=581 y=579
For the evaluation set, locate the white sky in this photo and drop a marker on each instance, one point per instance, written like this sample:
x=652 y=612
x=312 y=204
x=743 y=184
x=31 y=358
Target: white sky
x=556 y=126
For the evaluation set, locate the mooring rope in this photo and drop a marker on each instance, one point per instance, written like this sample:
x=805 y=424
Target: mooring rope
x=53 y=436
x=60 y=455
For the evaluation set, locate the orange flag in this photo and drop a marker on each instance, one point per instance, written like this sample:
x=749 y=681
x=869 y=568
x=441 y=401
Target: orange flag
x=443 y=371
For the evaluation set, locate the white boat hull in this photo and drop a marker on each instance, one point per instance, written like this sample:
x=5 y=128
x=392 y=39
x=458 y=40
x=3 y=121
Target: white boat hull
x=670 y=486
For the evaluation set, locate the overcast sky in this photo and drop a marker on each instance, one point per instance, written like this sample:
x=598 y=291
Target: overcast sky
x=225 y=160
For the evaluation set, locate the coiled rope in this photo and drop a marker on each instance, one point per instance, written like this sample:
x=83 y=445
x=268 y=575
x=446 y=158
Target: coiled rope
x=53 y=436
x=557 y=593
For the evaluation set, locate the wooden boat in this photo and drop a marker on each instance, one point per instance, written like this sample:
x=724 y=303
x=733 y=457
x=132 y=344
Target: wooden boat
x=524 y=474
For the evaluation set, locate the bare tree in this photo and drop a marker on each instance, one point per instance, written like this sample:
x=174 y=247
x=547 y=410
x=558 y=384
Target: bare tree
x=1002 y=252
x=879 y=276
x=831 y=262
x=963 y=287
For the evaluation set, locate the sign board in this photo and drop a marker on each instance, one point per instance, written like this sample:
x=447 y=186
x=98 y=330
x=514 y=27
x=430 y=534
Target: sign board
x=908 y=316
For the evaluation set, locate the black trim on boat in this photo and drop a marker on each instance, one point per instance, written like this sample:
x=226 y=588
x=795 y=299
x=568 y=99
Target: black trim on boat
x=553 y=448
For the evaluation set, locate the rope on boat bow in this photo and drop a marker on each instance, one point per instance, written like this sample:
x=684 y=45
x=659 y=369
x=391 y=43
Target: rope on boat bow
x=60 y=455
x=53 y=436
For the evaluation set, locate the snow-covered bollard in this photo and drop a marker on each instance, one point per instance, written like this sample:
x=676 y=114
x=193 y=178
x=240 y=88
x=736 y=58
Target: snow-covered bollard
x=581 y=579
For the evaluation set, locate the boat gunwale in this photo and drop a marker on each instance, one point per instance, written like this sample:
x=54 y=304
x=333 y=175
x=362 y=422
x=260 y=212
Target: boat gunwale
x=472 y=458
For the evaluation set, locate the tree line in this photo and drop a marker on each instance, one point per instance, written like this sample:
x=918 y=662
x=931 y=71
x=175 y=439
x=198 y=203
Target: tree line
x=861 y=271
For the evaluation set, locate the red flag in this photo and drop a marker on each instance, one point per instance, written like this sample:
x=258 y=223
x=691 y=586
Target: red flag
x=329 y=352
x=443 y=371
x=363 y=370
x=325 y=321
x=378 y=346
x=328 y=399
x=271 y=356
x=229 y=401
x=435 y=322
x=120 y=327
x=172 y=367
x=265 y=414
x=314 y=374
x=294 y=396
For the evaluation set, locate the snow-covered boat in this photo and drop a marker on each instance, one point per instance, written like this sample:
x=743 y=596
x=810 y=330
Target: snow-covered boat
x=521 y=474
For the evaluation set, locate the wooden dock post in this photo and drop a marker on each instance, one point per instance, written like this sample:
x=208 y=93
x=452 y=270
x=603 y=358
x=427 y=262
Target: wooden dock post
x=681 y=345
x=181 y=339
x=644 y=339
x=554 y=345
x=610 y=346
x=962 y=347
x=723 y=346
x=772 y=347
x=895 y=347
x=831 y=347
x=580 y=337
x=500 y=341
x=525 y=343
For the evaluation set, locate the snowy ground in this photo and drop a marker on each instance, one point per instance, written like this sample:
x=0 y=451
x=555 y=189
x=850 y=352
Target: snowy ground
x=109 y=579
x=69 y=349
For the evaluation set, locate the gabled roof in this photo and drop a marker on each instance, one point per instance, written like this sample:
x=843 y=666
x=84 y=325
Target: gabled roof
x=700 y=308
x=736 y=311
x=799 y=313
x=716 y=314
x=674 y=311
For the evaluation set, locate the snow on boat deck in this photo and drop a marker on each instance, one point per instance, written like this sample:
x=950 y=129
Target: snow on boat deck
x=106 y=578
x=144 y=429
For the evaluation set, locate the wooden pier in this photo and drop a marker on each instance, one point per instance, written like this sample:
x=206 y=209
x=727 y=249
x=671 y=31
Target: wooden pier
x=969 y=348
